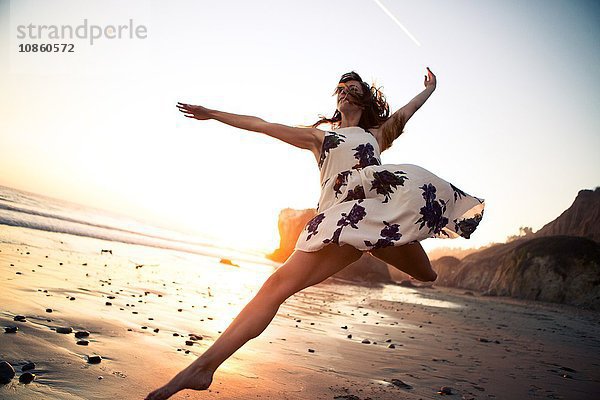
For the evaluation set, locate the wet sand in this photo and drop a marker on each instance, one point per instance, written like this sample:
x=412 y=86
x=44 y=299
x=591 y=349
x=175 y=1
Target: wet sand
x=481 y=347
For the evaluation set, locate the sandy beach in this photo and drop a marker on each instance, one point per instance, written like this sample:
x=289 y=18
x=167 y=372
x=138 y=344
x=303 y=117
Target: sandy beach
x=150 y=312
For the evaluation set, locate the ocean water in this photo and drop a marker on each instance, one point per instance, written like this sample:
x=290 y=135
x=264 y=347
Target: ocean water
x=34 y=211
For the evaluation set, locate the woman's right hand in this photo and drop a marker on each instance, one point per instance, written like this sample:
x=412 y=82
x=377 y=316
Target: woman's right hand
x=196 y=112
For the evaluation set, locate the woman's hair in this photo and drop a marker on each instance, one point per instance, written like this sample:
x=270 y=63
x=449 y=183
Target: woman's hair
x=375 y=112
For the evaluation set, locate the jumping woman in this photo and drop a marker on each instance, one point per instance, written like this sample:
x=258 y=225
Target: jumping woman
x=364 y=206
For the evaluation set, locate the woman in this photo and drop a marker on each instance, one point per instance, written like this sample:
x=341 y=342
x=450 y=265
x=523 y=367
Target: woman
x=364 y=206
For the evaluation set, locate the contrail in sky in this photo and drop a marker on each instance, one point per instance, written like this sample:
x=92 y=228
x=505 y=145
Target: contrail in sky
x=385 y=10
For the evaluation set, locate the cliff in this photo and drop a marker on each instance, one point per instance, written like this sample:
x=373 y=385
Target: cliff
x=581 y=219
x=559 y=263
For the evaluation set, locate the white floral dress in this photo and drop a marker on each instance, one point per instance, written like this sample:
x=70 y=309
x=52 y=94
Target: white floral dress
x=368 y=205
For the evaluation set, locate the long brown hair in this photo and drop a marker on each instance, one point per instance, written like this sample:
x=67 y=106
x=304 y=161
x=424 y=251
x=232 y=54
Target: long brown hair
x=375 y=112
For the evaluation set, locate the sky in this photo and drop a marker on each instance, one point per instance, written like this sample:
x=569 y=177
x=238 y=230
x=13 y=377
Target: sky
x=513 y=120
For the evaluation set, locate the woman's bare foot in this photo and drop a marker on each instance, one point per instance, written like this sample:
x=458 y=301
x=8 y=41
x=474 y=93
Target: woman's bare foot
x=193 y=377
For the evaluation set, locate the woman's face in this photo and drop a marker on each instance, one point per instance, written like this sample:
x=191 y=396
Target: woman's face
x=348 y=94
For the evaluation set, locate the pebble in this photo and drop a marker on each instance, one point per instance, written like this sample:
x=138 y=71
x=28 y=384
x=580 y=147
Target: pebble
x=94 y=359
x=64 y=329
x=189 y=343
x=7 y=372
x=392 y=346
x=446 y=390
x=156 y=330
x=20 y=318
x=48 y=310
x=400 y=384
x=10 y=329
x=349 y=336
x=108 y=303
x=81 y=334
x=26 y=377
x=83 y=342
x=311 y=350
x=366 y=341
x=28 y=366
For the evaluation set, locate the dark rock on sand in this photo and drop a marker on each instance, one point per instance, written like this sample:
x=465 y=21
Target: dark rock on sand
x=83 y=342
x=26 y=377
x=366 y=341
x=7 y=372
x=81 y=334
x=347 y=397
x=28 y=366
x=64 y=329
x=392 y=346
x=20 y=318
x=311 y=350
x=446 y=390
x=400 y=384
x=11 y=329
x=189 y=343
x=94 y=359
x=48 y=310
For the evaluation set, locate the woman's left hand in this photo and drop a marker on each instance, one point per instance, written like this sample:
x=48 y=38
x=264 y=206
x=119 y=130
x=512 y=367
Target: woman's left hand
x=430 y=80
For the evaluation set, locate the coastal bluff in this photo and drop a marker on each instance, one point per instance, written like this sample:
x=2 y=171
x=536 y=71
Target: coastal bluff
x=559 y=263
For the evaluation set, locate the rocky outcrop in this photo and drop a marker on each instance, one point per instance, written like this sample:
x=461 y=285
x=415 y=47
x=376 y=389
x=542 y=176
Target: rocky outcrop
x=561 y=269
x=559 y=263
x=581 y=219
x=290 y=223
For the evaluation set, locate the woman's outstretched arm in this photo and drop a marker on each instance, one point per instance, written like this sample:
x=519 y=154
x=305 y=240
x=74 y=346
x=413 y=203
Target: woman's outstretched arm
x=304 y=138
x=393 y=127
x=412 y=106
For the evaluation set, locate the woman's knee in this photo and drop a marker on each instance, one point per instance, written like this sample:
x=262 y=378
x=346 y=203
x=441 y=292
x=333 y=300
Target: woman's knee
x=279 y=287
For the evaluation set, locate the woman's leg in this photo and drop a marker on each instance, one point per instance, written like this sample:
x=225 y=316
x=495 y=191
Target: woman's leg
x=409 y=258
x=300 y=271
